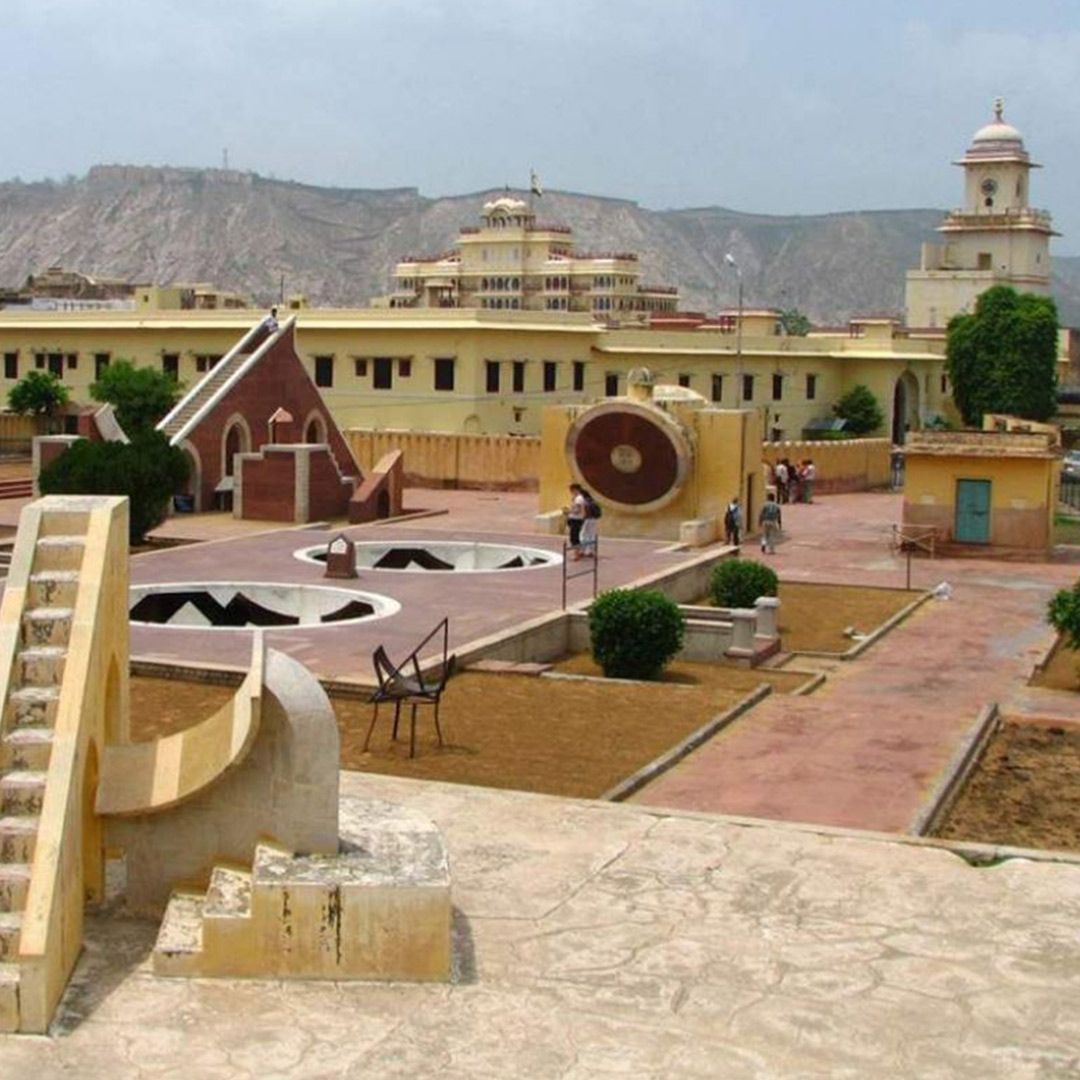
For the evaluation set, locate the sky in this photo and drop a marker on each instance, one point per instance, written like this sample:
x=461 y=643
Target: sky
x=769 y=106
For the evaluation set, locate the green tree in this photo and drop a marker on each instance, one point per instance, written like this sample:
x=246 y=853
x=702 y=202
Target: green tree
x=38 y=393
x=141 y=396
x=860 y=409
x=148 y=470
x=1003 y=357
x=794 y=323
x=1064 y=615
x=634 y=633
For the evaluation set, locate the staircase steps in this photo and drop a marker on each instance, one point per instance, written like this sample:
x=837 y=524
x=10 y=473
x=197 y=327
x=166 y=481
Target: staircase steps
x=59 y=553
x=33 y=706
x=50 y=587
x=22 y=791
x=21 y=488
x=14 y=882
x=179 y=943
x=10 y=932
x=202 y=392
x=27 y=748
x=9 y=997
x=18 y=835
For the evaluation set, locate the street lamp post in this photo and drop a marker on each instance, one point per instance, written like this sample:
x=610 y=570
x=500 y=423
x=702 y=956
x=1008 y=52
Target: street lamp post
x=729 y=260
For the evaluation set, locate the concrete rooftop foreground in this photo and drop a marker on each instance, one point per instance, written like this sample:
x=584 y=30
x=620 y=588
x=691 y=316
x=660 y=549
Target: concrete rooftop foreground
x=600 y=940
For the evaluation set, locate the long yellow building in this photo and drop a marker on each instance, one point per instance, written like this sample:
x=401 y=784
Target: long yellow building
x=475 y=370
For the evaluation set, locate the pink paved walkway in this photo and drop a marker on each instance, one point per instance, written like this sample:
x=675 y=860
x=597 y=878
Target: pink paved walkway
x=866 y=750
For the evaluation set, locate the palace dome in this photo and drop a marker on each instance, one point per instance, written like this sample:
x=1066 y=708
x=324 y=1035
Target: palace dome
x=997 y=135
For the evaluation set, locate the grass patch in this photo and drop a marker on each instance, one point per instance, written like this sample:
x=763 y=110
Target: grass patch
x=1066 y=529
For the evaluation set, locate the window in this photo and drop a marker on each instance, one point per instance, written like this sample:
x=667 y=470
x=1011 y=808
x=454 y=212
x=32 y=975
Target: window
x=748 y=387
x=72 y=361
x=984 y=261
x=324 y=371
x=56 y=364
x=611 y=384
x=491 y=376
x=39 y=359
x=519 y=376
x=777 y=387
x=579 y=375
x=684 y=381
x=205 y=363
x=718 y=388
x=360 y=368
x=944 y=384
x=444 y=373
x=551 y=376
x=811 y=387
x=101 y=362
x=170 y=365
x=404 y=368
x=11 y=365
x=382 y=375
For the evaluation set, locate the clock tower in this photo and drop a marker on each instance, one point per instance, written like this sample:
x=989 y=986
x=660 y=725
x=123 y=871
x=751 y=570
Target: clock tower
x=995 y=239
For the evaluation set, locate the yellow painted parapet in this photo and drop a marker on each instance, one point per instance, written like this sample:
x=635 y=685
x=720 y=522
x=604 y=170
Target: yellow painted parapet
x=144 y=777
x=64 y=672
x=841 y=464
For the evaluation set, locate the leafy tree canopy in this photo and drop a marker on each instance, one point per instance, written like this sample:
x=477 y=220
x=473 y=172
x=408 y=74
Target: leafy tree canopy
x=148 y=470
x=141 y=396
x=1003 y=357
x=860 y=409
x=794 y=323
x=1064 y=615
x=39 y=393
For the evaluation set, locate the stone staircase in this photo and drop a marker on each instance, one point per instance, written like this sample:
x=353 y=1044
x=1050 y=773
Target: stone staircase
x=380 y=909
x=202 y=392
x=26 y=738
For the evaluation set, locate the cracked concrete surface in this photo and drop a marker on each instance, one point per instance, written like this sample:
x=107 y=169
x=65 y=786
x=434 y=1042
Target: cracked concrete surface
x=595 y=940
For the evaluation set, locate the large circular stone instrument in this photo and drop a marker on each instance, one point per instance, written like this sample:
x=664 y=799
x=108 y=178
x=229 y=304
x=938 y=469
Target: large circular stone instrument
x=634 y=458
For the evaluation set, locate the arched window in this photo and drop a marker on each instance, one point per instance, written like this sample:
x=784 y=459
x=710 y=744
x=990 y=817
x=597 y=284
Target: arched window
x=234 y=444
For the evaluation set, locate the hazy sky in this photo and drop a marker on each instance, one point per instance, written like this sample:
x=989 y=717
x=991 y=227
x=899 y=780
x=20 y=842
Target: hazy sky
x=776 y=106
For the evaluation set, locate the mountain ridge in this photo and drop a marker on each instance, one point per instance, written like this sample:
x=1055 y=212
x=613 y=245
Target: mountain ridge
x=244 y=231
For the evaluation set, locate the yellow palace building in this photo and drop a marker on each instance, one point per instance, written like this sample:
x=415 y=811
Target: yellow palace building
x=483 y=338
x=474 y=370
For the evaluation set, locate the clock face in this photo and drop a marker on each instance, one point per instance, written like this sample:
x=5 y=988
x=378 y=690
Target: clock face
x=989 y=186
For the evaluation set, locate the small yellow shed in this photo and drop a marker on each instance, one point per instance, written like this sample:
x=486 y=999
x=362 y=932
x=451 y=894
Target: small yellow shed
x=988 y=491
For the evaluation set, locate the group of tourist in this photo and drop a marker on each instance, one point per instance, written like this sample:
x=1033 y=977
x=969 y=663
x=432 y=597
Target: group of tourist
x=793 y=482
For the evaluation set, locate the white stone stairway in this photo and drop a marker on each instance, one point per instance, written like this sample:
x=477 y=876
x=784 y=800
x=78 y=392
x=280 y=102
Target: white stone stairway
x=202 y=392
x=26 y=735
x=380 y=909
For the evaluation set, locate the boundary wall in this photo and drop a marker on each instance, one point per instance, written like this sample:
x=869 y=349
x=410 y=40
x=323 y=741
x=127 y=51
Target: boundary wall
x=842 y=464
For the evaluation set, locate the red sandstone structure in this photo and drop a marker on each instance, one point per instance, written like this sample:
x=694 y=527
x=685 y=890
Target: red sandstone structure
x=262 y=441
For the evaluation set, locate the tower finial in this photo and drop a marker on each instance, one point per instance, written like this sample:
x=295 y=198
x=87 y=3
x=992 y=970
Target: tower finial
x=999 y=109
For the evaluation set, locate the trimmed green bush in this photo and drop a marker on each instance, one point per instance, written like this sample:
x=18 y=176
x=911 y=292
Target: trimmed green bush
x=634 y=634
x=739 y=582
x=1064 y=615
x=148 y=470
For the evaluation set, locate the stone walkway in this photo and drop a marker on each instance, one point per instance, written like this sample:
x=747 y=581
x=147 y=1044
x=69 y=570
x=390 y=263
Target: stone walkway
x=609 y=941
x=867 y=749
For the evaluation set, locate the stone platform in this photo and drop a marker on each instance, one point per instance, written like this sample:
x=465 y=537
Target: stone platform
x=595 y=940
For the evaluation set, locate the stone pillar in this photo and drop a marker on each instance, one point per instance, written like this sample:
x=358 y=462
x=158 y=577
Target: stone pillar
x=743 y=621
x=768 y=616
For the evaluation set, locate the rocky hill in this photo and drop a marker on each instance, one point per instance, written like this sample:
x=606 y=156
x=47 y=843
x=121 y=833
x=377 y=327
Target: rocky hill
x=246 y=232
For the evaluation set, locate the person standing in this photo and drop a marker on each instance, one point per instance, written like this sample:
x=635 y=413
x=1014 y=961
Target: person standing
x=733 y=521
x=576 y=513
x=782 y=479
x=809 y=475
x=769 y=519
x=588 y=526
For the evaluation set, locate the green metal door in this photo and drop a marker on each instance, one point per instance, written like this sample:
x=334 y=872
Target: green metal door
x=973 y=511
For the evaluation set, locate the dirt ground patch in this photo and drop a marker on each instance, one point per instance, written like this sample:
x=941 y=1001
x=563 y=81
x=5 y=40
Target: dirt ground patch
x=814 y=617
x=161 y=706
x=723 y=677
x=1061 y=673
x=554 y=736
x=1025 y=792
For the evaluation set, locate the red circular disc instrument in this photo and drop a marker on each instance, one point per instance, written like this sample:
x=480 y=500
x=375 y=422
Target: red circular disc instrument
x=631 y=456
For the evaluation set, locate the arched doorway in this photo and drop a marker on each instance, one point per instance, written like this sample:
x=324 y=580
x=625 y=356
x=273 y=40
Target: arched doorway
x=237 y=440
x=905 y=416
x=315 y=431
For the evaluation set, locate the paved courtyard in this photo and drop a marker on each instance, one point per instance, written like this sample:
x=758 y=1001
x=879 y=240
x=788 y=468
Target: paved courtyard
x=597 y=940
x=867 y=749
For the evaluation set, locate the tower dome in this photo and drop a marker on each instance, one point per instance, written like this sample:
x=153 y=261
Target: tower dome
x=997 y=138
